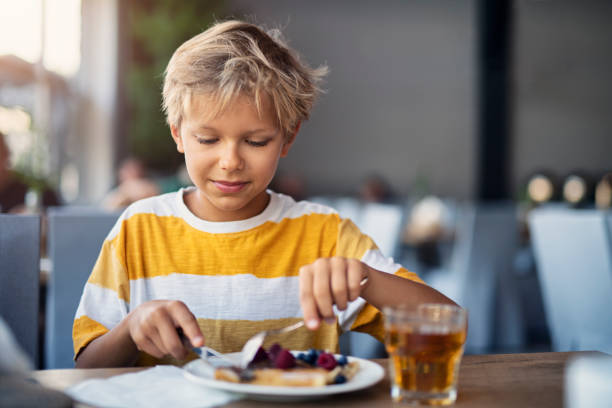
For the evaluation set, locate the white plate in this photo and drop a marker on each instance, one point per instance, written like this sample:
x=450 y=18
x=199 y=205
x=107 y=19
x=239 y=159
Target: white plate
x=202 y=373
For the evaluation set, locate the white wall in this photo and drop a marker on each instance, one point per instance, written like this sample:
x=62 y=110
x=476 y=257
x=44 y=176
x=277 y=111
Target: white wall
x=400 y=97
x=563 y=100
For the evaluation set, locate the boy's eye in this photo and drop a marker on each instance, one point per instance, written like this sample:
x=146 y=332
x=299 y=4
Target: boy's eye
x=255 y=143
x=206 y=141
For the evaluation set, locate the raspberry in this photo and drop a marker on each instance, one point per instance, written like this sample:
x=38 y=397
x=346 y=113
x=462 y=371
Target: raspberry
x=284 y=359
x=273 y=351
x=260 y=356
x=327 y=361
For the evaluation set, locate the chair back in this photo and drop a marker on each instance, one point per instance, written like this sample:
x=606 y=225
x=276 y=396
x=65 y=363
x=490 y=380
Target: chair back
x=349 y=207
x=573 y=253
x=482 y=257
x=491 y=295
x=75 y=239
x=20 y=279
x=383 y=223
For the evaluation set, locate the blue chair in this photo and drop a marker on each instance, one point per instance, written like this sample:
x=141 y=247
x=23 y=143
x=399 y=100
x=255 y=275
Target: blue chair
x=480 y=276
x=573 y=253
x=75 y=239
x=349 y=207
x=20 y=279
x=383 y=223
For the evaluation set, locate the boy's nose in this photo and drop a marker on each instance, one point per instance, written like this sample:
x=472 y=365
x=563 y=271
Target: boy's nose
x=230 y=158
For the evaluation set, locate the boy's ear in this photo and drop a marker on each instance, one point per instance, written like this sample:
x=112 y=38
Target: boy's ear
x=176 y=135
x=289 y=142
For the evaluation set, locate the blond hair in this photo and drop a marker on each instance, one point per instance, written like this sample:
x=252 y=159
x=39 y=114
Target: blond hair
x=236 y=58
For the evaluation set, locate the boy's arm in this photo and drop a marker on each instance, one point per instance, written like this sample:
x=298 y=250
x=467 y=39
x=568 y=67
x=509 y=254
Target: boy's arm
x=113 y=349
x=385 y=289
x=152 y=328
x=336 y=281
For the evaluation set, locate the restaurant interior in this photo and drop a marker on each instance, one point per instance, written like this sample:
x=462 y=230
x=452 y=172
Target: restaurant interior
x=472 y=140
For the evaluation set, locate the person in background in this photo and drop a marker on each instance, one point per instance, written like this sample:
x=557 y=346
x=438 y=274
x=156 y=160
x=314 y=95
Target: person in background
x=134 y=185
x=13 y=190
x=179 y=179
x=375 y=189
x=220 y=261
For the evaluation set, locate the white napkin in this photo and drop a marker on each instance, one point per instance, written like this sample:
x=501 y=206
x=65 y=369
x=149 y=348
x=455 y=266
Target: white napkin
x=160 y=386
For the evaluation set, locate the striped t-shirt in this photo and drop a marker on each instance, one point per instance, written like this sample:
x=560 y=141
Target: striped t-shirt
x=237 y=277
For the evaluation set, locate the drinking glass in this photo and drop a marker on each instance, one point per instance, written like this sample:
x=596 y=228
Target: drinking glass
x=425 y=346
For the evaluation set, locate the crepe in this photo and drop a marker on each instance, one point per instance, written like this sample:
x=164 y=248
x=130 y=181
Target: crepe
x=290 y=377
x=279 y=367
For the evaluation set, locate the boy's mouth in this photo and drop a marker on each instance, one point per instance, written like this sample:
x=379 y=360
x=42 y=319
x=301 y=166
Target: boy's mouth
x=230 y=186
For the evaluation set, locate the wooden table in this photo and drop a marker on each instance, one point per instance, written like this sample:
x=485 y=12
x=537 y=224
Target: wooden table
x=500 y=380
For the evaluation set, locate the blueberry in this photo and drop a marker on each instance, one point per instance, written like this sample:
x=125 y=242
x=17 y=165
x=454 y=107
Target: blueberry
x=340 y=379
x=301 y=356
x=312 y=356
x=310 y=359
x=342 y=360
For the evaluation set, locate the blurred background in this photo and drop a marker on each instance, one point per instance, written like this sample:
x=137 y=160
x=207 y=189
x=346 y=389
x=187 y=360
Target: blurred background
x=457 y=98
x=439 y=107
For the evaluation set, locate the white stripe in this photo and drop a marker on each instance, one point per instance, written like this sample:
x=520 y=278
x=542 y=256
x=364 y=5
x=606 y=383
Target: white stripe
x=173 y=205
x=347 y=317
x=240 y=297
x=291 y=209
x=102 y=305
x=280 y=207
x=377 y=260
x=223 y=297
x=161 y=205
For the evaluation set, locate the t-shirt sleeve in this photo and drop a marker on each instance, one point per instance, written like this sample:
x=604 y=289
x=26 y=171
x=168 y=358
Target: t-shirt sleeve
x=105 y=299
x=360 y=315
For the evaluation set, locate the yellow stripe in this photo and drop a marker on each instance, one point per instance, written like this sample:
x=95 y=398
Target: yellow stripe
x=370 y=320
x=352 y=242
x=160 y=246
x=404 y=273
x=228 y=336
x=84 y=330
x=109 y=272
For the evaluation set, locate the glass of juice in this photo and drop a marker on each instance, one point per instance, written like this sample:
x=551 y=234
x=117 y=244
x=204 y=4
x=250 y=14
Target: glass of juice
x=425 y=346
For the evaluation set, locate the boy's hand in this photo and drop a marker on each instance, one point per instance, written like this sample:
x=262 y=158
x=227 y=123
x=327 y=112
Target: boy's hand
x=153 y=328
x=329 y=281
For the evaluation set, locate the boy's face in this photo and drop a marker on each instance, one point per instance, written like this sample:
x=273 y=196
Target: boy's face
x=230 y=158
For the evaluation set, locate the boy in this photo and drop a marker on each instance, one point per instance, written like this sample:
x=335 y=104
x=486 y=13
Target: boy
x=227 y=258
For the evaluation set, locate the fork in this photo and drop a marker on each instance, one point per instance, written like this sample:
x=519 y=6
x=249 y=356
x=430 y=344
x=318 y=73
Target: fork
x=248 y=350
x=254 y=343
x=204 y=352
